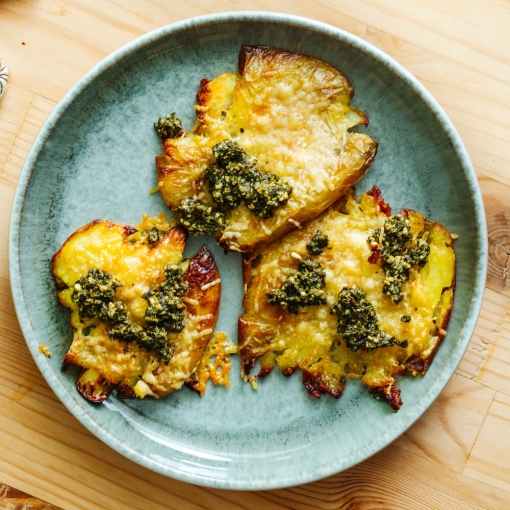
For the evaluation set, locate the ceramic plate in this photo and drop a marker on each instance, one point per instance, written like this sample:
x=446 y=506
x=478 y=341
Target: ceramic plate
x=94 y=159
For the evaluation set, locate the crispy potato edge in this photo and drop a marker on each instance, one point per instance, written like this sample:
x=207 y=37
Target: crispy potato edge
x=388 y=392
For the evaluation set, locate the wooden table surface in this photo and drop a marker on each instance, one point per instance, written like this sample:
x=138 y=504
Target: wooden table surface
x=457 y=456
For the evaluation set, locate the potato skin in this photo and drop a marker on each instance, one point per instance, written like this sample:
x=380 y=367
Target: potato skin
x=292 y=113
x=200 y=302
x=93 y=386
x=113 y=364
x=253 y=60
x=309 y=341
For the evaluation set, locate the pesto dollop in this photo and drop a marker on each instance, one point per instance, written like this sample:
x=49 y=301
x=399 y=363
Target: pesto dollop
x=263 y=192
x=398 y=256
x=95 y=296
x=357 y=322
x=223 y=184
x=165 y=307
x=317 y=244
x=235 y=178
x=200 y=219
x=151 y=236
x=152 y=338
x=302 y=288
x=169 y=126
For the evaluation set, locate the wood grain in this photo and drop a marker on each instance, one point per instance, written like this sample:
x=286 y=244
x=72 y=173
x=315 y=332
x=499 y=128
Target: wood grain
x=489 y=461
x=488 y=354
x=448 y=432
x=497 y=209
x=384 y=482
x=457 y=455
x=13 y=499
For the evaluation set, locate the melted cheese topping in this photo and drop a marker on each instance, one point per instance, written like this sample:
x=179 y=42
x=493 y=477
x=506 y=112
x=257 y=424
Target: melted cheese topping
x=292 y=113
x=214 y=364
x=310 y=336
x=138 y=266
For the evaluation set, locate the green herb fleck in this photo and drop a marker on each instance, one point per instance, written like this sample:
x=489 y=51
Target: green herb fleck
x=151 y=236
x=302 y=288
x=357 y=322
x=405 y=318
x=200 y=219
x=115 y=313
x=398 y=257
x=86 y=331
x=317 y=244
x=169 y=126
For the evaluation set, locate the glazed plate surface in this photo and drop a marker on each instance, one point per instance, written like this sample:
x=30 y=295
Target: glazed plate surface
x=94 y=159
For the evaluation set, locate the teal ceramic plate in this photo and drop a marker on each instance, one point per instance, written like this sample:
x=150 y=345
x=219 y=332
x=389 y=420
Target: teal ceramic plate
x=94 y=158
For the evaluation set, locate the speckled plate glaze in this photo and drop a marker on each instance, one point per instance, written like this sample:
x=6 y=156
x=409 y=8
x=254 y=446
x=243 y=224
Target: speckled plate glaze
x=94 y=158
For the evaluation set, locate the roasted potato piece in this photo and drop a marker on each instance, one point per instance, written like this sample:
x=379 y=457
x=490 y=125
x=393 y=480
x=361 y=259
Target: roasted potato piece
x=137 y=265
x=291 y=112
x=328 y=341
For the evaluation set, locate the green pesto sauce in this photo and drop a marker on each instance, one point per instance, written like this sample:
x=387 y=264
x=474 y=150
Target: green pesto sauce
x=151 y=236
x=95 y=296
x=223 y=184
x=151 y=338
x=357 y=322
x=235 y=178
x=397 y=255
x=302 y=288
x=317 y=244
x=200 y=219
x=169 y=126
x=166 y=307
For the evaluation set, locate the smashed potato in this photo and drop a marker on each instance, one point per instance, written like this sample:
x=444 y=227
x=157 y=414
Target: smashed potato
x=141 y=316
x=363 y=328
x=290 y=114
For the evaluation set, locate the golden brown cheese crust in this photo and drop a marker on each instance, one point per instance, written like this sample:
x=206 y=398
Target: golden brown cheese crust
x=214 y=364
x=292 y=113
x=110 y=363
x=309 y=340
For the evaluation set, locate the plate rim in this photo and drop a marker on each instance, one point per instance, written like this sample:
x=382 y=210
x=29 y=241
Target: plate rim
x=218 y=18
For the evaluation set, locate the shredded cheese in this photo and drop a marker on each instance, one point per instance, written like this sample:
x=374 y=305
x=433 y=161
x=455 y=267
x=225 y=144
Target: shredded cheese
x=210 y=284
x=138 y=266
x=310 y=339
x=286 y=113
x=43 y=348
x=214 y=364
